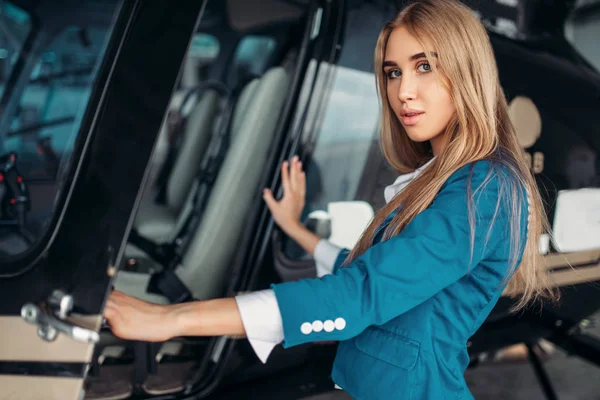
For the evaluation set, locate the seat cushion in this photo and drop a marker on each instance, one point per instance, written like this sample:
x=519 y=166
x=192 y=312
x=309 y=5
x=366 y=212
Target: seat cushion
x=206 y=263
x=155 y=222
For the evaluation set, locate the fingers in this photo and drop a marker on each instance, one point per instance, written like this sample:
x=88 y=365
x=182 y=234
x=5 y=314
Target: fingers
x=294 y=173
x=121 y=299
x=293 y=180
x=269 y=199
x=302 y=182
x=111 y=309
x=299 y=178
x=109 y=312
x=116 y=296
x=285 y=178
x=113 y=317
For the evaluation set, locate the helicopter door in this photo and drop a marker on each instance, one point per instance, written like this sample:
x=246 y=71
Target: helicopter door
x=83 y=90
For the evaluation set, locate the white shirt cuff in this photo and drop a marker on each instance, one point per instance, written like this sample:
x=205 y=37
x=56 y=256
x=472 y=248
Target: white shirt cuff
x=262 y=321
x=325 y=255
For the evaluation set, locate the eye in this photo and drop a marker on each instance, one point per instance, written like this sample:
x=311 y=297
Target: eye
x=394 y=73
x=424 y=67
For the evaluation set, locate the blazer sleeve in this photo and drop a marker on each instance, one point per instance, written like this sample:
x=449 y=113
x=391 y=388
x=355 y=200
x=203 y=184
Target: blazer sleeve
x=392 y=277
x=339 y=261
x=326 y=256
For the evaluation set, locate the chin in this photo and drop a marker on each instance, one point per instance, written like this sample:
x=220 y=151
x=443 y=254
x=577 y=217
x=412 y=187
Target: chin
x=418 y=137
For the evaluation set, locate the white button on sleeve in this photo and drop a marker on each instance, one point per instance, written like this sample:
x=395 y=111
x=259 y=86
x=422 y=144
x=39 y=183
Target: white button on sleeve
x=317 y=326
x=340 y=324
x=329 y=326
x=262 y=321
x=325 y=255
x=306 y=328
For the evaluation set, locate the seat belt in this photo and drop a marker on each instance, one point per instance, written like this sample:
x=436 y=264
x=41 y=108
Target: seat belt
x=176 y=122
x=167 y=282
x=207 y=174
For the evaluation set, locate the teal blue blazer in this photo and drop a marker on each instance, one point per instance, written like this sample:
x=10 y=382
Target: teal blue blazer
x=404 y=310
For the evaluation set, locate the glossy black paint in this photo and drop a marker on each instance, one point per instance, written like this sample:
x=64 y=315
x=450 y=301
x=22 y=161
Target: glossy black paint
x=566 y=91
x=63 y=370
x=124 y=116
x=533 y=18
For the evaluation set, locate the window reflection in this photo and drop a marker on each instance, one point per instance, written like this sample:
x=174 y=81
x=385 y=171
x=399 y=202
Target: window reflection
x=39 y=126
x=349 y=123
x=15 y=26
x=348 y=129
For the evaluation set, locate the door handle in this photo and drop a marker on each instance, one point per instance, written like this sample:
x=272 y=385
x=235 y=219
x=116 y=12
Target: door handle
x=49 y=326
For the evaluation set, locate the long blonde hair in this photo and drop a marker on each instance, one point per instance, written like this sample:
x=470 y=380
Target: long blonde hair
x=480 y=130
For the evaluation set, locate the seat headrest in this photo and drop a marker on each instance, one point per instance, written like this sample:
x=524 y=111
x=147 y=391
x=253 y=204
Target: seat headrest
x=254 y=96
x=526 y=119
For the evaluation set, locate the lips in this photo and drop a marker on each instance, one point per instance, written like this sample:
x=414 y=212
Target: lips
x=411 y=117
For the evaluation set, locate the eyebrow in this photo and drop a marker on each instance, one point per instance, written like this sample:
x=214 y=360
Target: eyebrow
x=412 y=58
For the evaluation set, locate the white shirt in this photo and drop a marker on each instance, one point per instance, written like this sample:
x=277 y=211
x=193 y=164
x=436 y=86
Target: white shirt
x=259 y=310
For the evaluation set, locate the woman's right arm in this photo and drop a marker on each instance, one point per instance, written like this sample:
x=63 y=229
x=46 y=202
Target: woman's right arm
x=254 y=315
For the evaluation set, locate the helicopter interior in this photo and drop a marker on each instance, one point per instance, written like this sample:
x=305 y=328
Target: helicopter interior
x=219 y=131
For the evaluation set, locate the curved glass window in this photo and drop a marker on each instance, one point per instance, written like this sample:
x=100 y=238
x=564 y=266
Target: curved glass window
x=15 y=28
x=45 y=91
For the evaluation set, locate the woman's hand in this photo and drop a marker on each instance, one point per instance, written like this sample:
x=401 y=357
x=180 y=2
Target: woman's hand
x=287 y=211
x=134 y=319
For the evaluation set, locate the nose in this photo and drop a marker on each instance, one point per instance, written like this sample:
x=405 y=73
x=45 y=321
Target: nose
x=408 y=88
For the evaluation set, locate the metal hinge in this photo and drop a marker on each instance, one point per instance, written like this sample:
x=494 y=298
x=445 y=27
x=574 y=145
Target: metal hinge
x=52 y=322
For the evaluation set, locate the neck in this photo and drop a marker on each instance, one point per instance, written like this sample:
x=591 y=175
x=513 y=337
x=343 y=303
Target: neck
x=437 y=145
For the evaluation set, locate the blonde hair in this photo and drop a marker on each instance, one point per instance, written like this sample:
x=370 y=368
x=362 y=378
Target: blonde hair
x=480 y=130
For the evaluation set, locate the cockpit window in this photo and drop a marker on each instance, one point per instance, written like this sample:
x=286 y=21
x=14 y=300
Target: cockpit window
x=47 y=118
x=15 y=27
x=50 y=66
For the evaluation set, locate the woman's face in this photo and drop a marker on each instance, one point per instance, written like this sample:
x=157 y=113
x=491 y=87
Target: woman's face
x=418 y=99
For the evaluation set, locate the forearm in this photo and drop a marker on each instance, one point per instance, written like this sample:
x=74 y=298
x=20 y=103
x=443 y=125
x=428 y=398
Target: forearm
x=305 y=238
x=219 y=317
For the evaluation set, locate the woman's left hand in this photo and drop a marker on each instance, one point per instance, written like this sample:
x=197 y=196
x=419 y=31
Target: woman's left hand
x=134 y=319
x=287 y=211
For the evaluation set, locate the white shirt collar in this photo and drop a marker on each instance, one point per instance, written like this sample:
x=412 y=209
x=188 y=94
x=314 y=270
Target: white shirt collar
x=402 y=181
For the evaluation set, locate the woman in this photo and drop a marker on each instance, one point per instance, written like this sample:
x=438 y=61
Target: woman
x=435 y=259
